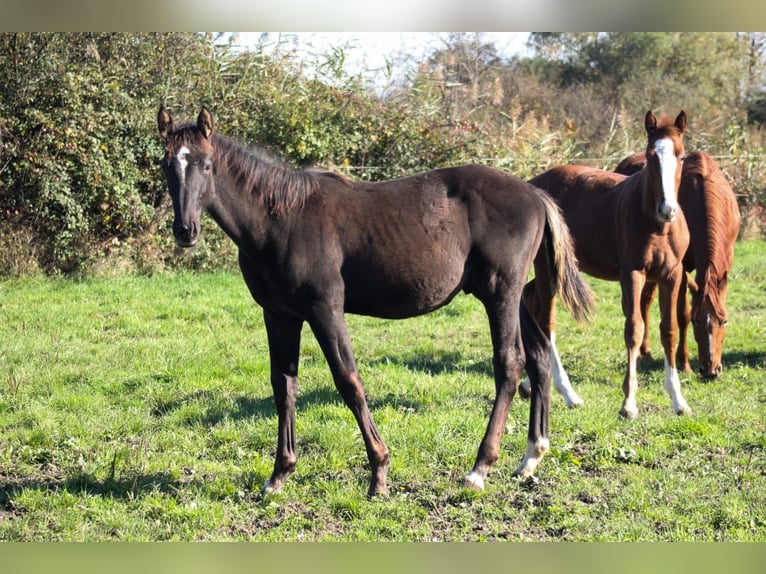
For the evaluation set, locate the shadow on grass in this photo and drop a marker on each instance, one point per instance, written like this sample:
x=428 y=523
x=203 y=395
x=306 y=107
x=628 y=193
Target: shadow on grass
x=752 y=359
x=120 y=489
x=216 y=407
x=436 y=363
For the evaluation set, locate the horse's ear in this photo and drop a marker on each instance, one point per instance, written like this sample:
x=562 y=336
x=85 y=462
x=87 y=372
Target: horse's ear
x=681 y=122
x=650 y=121
x=164 y=122
x=205 y=122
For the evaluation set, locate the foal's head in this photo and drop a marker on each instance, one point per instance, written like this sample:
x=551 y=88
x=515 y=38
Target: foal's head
x=709 y=320
x=664 y=161
x=188 y=167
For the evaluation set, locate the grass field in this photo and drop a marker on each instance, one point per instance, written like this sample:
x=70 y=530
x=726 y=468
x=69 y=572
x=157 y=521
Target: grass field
x=139 y=408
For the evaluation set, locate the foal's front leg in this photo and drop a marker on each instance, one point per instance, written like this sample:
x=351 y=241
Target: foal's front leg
x=284 y=335
x=669 y=293
x=647 y=296
x=632 y=283
x=329 y=327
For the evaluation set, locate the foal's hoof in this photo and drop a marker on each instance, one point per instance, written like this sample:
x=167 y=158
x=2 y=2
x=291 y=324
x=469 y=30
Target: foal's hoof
x=629 y=412
x=378 y=492
x=269 y=488
x=474 y=482
x=525 y=389
x=574 y=402
x=683 y=410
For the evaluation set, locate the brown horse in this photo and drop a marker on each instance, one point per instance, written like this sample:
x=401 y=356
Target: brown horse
x=314 y=245
x=713 y=217
x=631 y=230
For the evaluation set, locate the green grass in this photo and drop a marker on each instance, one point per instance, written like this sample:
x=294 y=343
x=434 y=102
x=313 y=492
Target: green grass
x=139 y=408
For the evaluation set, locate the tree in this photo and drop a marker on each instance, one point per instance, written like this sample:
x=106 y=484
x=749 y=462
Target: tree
x=621 y=75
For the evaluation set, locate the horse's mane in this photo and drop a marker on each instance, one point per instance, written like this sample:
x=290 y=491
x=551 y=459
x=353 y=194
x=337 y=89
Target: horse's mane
x=280 y=187
x=273 y=182
x=717 y=206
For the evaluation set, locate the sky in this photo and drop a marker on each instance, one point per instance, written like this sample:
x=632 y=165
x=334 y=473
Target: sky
x=371 y=50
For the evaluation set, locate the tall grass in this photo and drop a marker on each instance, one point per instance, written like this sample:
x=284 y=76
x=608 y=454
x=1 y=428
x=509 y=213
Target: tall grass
x=139 y=408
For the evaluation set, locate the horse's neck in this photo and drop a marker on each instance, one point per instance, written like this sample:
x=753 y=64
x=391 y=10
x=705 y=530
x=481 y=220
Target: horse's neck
x=236 y=212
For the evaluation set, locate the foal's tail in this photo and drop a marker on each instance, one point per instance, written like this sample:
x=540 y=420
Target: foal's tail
x=566 y=282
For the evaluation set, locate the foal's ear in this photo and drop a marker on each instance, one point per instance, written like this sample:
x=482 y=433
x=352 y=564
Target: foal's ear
x=164 y=123
x=681 y=122
x=650 y=121
x=205 y=122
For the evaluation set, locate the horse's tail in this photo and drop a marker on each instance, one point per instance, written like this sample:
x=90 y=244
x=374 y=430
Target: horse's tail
x=565 y=279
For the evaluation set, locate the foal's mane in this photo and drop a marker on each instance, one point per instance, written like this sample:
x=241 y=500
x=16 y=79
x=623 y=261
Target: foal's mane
x=272 y=182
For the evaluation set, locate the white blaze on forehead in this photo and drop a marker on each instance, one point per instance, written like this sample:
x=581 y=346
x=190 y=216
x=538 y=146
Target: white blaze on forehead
x=182 y=162
x=668 y=162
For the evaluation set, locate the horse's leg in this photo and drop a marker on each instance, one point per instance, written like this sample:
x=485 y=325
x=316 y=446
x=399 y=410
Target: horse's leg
x=538 y=366
x=329 y=327
x=684 y=318
x=508 y=363
x=542 y=305
x=531 y=299
x=668 y=332
x=632 y=285
x=284 y=336
x=647 y=296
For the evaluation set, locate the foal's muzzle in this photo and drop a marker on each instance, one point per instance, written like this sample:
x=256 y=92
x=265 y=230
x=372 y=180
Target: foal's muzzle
x=186 y=235
x=667 y=213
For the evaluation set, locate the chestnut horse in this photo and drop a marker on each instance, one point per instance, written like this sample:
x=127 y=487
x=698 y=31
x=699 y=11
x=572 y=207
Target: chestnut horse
x=713 y=217
x=631 y=230
x=314 y=245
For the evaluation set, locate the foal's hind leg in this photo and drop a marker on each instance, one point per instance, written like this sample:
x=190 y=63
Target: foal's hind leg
x=631 y=285
x=508 y=362
x=542 y=306
x=538 y=355
x=668 y=332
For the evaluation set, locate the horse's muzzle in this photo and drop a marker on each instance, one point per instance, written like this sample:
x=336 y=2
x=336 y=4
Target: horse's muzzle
x=186 y=235
x=667 y=213
x=708 y=372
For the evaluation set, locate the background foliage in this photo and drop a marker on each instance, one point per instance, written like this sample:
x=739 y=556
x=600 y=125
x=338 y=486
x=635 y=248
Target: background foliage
x=80 y=190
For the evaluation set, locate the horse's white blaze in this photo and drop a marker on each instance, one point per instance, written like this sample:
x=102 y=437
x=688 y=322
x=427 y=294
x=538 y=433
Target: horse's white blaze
x=673 y=387
x=561 y=381
x=182 y=162
x=535 y=453
x=668 y=164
